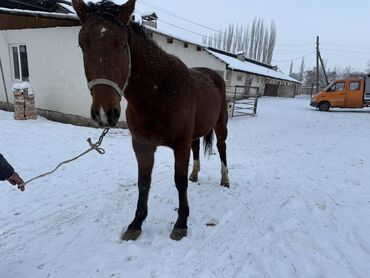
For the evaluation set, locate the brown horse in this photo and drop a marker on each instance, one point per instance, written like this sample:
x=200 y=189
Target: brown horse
x=168 y=103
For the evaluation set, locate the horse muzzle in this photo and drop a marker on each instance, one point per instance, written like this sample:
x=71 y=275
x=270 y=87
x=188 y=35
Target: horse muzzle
x=106 y=119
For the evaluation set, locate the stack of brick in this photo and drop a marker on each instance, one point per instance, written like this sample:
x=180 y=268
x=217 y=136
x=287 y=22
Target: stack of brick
x=24 y=103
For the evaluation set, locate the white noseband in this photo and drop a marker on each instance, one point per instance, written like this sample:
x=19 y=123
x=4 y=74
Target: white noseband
x=112 y=84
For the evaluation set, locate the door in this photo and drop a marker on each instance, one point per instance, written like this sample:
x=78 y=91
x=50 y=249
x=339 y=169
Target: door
x=271 y=90
x=354 y=94
x=337 y=94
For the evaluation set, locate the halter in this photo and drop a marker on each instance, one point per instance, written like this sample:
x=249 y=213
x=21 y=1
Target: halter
x=103 y=81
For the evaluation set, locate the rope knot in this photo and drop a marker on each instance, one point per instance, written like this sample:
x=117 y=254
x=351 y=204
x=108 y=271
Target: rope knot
x=96 y=147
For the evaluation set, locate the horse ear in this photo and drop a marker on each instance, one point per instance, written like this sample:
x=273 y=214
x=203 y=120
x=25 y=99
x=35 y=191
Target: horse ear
x=126 y=11
x=80 y=8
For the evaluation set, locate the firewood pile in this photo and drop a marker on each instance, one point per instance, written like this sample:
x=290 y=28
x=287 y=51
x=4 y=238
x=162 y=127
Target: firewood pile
x=24 y=102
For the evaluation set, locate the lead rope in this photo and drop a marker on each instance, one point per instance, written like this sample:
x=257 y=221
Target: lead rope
x=93 y=146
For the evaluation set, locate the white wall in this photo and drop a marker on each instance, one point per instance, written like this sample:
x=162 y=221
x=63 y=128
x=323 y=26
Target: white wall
x=55 y=68
x=190 y=56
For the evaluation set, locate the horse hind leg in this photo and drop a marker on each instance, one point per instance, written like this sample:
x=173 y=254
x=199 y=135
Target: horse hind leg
x=196 y=162
x=221 y=134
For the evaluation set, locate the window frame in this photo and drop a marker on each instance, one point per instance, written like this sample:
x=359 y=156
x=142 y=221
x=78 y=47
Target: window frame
x=20 y=68
x=334 y=86
x=357 y=88
x=344 y=86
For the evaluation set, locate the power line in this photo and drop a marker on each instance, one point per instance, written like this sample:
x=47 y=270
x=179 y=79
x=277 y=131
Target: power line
x=150 y=5
x=174 y=25
x=292 y=52
x=346 y=51
x=294 y=59
x=341 y=55
x=348 y=45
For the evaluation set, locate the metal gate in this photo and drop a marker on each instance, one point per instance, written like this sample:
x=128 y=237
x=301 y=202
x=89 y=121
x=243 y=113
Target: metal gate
x=244 y=100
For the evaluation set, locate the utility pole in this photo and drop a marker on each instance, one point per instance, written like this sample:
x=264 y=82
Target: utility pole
x=317 y=63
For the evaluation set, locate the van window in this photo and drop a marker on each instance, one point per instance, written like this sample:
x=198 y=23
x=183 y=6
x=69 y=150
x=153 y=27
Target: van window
x=354 y=86
x=339 y=86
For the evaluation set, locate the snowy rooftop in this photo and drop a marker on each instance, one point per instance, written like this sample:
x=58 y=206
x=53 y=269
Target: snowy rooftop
x=176 y=37
x=38 y=13
x=236 y=64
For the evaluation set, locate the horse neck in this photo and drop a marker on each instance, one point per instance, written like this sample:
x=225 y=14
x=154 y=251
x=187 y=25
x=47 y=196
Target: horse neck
x=147 y=59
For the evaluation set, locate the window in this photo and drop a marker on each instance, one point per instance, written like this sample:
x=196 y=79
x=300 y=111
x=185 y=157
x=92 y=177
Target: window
x=19 y=62
x=186 y=45
x=199 y=48
x=228 y=75
x=239 y=77
x=339 y=86
x=354 y=86
x=169 y=40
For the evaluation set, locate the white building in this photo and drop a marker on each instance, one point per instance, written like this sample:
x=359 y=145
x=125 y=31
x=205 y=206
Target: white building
x=42 y=47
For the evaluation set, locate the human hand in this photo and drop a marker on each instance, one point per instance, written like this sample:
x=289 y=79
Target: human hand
x=15 y=179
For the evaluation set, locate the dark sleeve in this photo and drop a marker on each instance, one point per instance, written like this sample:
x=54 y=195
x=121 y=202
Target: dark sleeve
x=6 y=170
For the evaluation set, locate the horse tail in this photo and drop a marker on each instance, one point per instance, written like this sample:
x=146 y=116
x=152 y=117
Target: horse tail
x=207 y=143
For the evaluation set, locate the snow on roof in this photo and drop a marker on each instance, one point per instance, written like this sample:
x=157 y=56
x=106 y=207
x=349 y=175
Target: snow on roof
x=249 y=67
x=67 y=7
x=176 y=37
x=38 y=14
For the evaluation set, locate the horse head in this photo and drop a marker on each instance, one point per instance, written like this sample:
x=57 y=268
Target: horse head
x=104 y=41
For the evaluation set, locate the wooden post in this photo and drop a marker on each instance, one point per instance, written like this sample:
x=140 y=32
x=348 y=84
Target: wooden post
x=312 y=89
x=6 y=93
x=317 y=64
x=323 y=69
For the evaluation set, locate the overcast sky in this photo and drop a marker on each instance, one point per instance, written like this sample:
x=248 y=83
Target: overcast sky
x=343 y=26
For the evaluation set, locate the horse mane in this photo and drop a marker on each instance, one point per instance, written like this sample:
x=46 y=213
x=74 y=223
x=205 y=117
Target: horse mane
x=108 y=10
x=105 y=9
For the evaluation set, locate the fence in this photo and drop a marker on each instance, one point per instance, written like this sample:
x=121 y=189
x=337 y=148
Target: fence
x=307 y=90
x=243 y=100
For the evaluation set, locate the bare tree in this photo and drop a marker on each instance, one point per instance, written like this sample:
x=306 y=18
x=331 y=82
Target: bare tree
x=271 y=43
x=257 y=40
x=301 y=71
x=291 y=68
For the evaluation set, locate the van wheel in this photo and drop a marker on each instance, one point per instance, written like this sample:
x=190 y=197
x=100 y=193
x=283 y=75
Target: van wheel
x=324 y=106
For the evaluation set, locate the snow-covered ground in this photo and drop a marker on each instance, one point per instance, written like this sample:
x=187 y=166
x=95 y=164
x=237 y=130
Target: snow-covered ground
x=298 y=206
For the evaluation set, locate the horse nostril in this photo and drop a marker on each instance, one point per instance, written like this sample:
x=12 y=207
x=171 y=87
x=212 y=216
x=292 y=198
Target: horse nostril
x=113 y=116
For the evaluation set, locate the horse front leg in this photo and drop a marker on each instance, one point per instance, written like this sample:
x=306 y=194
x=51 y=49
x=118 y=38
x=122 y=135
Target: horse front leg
x=182 y=155
x=145 y=159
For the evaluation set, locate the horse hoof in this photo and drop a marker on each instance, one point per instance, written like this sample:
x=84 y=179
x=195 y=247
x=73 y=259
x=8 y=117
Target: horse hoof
x=193 y=178
x=178 y=234
x=130 y=235
x=225 y=184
